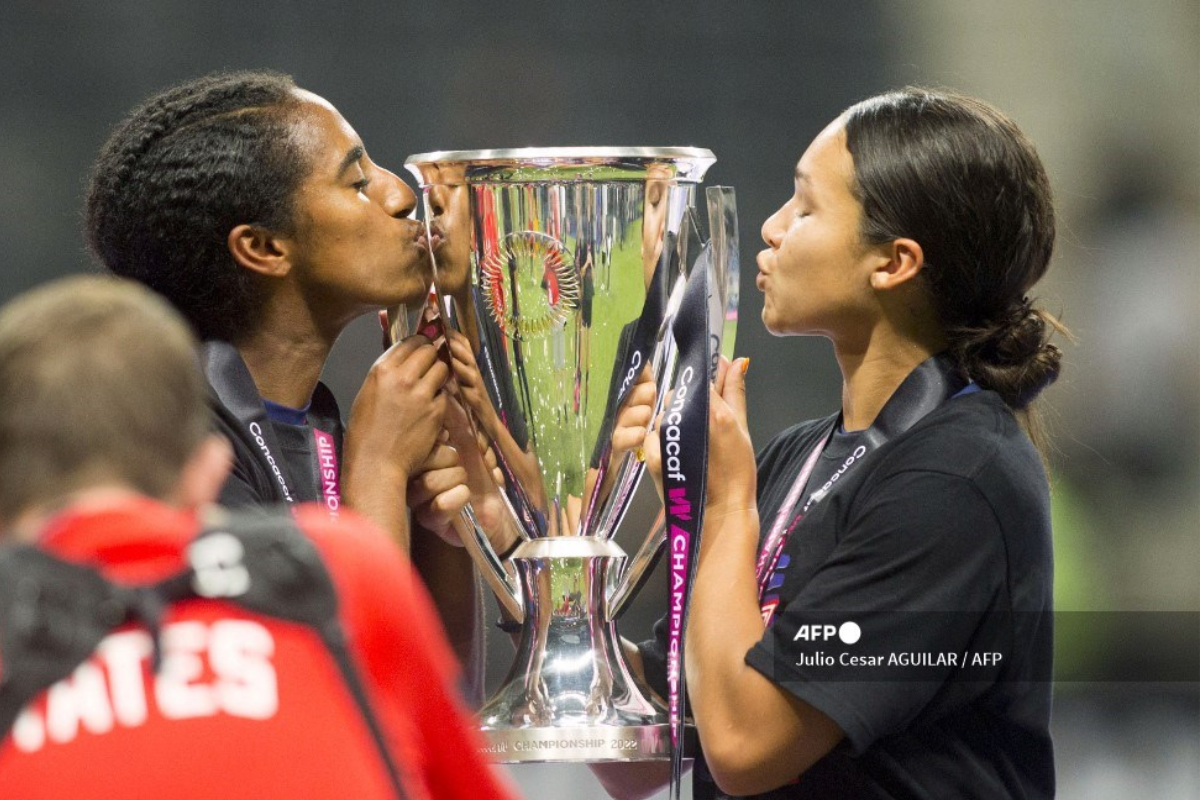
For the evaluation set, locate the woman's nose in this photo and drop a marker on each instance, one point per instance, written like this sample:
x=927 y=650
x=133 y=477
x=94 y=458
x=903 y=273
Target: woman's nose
x=398 y=199
x=772 y=230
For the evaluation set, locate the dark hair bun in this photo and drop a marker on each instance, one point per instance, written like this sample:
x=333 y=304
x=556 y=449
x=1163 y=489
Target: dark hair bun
x=1013 y=356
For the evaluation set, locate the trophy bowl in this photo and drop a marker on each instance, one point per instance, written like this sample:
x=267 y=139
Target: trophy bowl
x=558 y=267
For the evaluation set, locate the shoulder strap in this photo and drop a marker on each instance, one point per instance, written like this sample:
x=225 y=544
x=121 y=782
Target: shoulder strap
x=53 y=614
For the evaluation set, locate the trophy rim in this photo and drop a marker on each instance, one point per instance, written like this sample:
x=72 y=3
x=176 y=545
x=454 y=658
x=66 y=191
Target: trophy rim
x=560 y=155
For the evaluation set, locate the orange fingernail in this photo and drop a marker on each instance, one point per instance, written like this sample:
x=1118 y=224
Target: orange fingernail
x=745 y=365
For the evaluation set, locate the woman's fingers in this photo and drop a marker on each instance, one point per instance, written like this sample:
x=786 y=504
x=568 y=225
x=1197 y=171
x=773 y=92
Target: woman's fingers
x=489 y=459
x=734 y=390
x=731 y=469
x=439 y=514
x=652 y=449
x=442 y=455
x=426 y=488
x=460 y=349
x=722 y=371
x=635 y=417
x=626 y=439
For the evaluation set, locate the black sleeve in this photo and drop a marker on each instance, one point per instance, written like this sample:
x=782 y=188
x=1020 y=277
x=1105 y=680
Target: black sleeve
x=918 y=570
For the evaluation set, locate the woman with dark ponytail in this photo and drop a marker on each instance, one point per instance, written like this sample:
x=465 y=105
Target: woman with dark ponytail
x=985 y=221
x=870 y=617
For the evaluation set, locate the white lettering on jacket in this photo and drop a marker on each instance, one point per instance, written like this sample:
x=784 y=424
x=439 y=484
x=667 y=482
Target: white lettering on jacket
x=220 y=668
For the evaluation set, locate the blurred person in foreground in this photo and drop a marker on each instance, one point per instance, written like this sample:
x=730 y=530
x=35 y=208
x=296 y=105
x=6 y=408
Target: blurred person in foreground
x=252 y=205
x=153 y=646
x=919 y=512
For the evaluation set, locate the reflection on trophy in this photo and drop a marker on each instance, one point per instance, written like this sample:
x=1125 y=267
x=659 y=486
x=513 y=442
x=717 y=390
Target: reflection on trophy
x=559 y=277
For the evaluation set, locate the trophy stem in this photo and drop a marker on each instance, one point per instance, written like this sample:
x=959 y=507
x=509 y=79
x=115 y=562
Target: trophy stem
x=570 y=696
x=629 y=584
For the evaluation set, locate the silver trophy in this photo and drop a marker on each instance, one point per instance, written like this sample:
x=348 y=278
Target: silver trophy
x=562 y=268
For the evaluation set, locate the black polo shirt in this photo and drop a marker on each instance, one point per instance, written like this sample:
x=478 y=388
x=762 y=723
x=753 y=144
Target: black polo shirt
x=274 y=461
x=937 y=543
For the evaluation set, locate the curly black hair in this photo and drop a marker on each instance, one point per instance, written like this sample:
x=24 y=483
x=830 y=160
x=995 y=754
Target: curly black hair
x=179 y=173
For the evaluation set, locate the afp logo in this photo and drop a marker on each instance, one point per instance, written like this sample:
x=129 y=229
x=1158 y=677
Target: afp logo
x=848 y=632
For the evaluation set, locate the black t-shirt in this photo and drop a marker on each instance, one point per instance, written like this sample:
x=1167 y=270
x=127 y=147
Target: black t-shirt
x=935 y=543
x=274 y=462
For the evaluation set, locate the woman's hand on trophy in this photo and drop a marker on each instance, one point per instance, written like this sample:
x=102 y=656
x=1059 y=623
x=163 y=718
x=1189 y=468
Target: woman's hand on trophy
x=652 y=454
x=732 y=475
x=459 y=472
x=489 y=458
x=394 y=424
x=398 y=413
x=439 y=491
x=628 y=433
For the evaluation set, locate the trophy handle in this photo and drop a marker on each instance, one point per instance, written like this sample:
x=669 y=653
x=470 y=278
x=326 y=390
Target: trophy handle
x=625 y=584
x=723 y=236
x=634 y=577
x=722 y=247
x=500 y=576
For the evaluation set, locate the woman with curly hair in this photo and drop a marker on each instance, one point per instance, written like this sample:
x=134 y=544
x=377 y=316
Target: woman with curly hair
x=252 y=205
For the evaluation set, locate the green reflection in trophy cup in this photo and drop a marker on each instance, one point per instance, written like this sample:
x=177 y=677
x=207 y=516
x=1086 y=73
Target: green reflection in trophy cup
x=561 y=267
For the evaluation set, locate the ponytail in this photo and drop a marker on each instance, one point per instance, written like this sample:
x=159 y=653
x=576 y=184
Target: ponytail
x=1012 y=356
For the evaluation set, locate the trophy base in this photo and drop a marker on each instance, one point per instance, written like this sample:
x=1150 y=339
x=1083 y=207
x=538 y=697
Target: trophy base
x=590 y=744
x=570 y=696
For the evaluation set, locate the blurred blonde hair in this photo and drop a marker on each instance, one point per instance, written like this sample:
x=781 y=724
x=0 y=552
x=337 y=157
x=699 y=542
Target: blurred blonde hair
x=99 y=385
